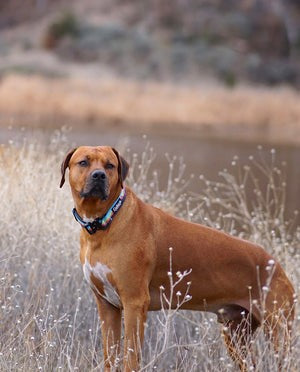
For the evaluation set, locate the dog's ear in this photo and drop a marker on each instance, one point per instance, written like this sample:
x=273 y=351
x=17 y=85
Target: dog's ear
x=123 y=167
x=65 y=164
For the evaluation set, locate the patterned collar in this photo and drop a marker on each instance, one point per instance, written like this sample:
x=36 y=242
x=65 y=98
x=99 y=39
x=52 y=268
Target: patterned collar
x=101 y=223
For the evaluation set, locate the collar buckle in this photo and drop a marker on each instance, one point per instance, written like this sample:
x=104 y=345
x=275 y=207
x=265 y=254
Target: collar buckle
x=101 y=223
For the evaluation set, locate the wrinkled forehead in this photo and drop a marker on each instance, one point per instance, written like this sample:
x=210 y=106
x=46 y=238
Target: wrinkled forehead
x=97 y=153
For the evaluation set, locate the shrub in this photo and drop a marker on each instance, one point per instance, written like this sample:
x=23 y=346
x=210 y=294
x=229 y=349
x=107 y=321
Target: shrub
x=66 y=25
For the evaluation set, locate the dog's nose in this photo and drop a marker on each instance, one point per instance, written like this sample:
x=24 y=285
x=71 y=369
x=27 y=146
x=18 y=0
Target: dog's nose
x=98 y=175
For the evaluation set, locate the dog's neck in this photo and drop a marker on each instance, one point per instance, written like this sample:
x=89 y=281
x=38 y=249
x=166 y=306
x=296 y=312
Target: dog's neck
x=91 y=208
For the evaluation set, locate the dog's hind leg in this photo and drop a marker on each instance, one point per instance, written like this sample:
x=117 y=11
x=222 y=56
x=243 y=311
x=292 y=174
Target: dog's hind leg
x=279 y=313
x=238 y=329
x=278 y=329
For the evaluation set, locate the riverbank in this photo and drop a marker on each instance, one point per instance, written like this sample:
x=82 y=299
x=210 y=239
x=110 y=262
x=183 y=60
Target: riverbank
x=244 y=113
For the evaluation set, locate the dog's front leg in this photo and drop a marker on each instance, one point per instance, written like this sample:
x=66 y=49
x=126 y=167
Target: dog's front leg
x=110 y=318
x=135 y=315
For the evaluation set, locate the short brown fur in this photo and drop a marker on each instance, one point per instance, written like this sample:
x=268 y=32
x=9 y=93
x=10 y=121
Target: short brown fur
x=135 y=247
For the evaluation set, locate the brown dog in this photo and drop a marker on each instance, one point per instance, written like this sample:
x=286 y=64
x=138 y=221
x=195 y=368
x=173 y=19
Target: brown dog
x=125 y=258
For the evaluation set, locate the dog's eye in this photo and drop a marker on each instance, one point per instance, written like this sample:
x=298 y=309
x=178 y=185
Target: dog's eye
x=83 y=163
x=109 y=166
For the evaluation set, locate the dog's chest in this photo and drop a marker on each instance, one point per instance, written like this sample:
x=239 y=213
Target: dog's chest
x=100 y=272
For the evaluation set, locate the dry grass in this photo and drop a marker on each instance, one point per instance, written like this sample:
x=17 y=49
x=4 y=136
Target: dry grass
x=48 y=316
x=243 y=112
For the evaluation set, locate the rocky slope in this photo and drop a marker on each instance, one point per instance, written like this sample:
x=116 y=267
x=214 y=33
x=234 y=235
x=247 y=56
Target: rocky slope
x=233 y=41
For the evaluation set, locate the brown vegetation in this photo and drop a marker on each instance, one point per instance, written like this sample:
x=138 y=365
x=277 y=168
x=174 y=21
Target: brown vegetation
x=244 y=112
x=48 y=317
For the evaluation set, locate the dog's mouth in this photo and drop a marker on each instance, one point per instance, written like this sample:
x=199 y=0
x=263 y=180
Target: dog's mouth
x=95 y=190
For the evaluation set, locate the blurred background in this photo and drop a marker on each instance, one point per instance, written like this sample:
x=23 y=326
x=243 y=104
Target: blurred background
x=204 y=79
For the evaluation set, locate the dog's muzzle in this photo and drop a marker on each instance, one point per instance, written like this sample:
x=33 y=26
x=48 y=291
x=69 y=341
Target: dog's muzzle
x=96 y=185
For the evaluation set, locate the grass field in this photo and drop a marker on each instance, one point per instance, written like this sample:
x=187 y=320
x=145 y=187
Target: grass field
x=48 y=315
x=244 y=112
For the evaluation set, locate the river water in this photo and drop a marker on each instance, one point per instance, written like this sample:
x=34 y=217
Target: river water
x=201 y=155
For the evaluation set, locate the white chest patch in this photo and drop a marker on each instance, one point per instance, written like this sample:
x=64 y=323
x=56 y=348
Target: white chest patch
x=100 y=272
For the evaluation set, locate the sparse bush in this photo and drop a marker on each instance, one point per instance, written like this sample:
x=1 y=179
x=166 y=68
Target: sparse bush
x=65 y=25
x=48 y=315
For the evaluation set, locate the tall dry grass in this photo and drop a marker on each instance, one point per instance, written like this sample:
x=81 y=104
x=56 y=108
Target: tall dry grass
x=48 y=316
x=243 y=112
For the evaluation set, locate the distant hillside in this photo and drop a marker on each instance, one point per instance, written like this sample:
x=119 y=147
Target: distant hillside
x=232 y=40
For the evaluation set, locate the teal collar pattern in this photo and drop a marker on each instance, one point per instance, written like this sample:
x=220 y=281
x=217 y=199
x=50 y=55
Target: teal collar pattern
x=101 y=223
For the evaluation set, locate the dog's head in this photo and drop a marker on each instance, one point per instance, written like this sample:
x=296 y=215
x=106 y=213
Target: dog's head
x=94 y=172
